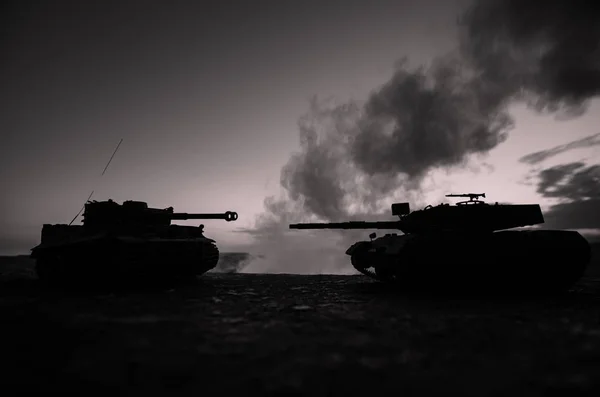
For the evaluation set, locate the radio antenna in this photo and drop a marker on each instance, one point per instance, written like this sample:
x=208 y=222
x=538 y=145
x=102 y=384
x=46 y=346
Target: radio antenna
x=111 y=157
x=103 y=171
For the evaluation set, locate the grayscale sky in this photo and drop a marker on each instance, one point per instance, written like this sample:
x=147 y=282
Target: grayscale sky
x=206 y=97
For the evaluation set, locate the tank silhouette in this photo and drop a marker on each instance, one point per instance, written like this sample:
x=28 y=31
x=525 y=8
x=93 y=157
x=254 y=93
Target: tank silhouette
x=468 y=245
x=120 y=241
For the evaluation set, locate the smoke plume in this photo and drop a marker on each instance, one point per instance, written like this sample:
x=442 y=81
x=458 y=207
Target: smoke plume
x=232 y=262
x=356 y=158
x=545 y=52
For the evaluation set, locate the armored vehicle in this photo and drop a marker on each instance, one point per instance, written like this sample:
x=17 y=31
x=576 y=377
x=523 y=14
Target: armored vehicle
x=468 y=245
x=124 y=241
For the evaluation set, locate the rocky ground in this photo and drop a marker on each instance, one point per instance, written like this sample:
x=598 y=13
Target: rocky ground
x=295 y=335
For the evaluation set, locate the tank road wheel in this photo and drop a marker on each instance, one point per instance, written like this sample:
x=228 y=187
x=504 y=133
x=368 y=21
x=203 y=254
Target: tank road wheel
x=361 y=260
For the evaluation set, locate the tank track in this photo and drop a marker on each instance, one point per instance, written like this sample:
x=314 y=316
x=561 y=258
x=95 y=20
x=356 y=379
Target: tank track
x=535 y=270
x=366 y=263
x=63 y=270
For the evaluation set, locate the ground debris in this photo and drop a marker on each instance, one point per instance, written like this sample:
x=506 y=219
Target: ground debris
x=301 y=335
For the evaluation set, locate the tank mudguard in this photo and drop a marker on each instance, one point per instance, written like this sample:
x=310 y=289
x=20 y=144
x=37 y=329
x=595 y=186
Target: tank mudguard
x=354 y=247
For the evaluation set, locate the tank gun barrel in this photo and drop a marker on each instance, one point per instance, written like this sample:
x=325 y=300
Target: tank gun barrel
x=228 y=216
x=349 y=225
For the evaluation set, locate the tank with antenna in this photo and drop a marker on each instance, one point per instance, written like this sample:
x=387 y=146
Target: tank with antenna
x=101 y=175
x=125 y=242
x=472 y=244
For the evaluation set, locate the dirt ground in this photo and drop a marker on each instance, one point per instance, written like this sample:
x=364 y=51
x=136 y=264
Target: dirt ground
x=295 y=335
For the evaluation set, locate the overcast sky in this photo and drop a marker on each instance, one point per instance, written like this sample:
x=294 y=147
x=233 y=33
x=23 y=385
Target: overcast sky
x=207 y=97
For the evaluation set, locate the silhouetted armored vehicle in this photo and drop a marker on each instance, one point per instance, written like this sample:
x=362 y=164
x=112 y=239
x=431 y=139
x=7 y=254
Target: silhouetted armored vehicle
x=117 y=242
x=467 y=246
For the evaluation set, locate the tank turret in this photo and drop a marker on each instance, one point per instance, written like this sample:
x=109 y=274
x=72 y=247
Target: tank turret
x=470 y=242
x=120 y=241
x=109 y=214
x=444 y=217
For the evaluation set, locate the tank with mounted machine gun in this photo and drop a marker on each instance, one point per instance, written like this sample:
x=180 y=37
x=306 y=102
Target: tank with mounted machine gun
x=473 y=198
x=468 y=245
x=120 y=241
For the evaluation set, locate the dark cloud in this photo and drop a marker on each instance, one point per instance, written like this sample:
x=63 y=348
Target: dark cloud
x=538 y=157
x=578 y=187
x=572 y=181
x=545 y=51
x=423 y=118
x=429 y=117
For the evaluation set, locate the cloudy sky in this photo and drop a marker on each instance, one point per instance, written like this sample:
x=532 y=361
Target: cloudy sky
x=215 y=103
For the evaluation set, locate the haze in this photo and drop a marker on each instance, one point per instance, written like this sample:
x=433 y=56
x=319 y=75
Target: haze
x=207 y=98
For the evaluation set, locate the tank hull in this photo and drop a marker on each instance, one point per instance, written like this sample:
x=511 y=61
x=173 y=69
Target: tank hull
x=108 y=259
x=505 y=260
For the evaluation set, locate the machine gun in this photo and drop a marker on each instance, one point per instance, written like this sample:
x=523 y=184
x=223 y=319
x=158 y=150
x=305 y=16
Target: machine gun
x=473 y=198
